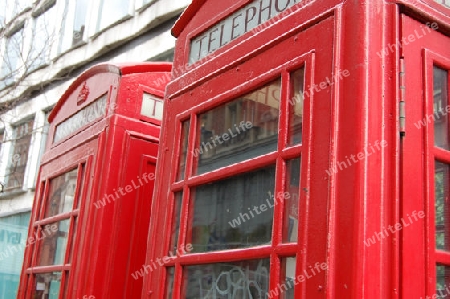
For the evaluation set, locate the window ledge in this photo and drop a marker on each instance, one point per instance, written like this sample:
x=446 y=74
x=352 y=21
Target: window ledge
x=8 y=194
x=103 y=30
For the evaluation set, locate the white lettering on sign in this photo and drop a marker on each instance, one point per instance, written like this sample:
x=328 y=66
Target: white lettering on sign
x=86 y=115
x=235 y=25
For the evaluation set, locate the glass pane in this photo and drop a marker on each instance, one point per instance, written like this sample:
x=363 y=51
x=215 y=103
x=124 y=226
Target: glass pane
x=441 y=181
x=444 y=2
x=234 y=213
x=442 y=281
x=296 y=103
x=244 y=279
x=79 y=21
x=176 y=222
x=47 y=285
x=54 y=242
x=44 y=35
x=287 y=278
x=183 y=149
x=242 y=129
x=61 y=193
x=440 y=106
x=10 y=62
x=90 y=113
x=169 y=282
x=290 y=227
x=152 y=106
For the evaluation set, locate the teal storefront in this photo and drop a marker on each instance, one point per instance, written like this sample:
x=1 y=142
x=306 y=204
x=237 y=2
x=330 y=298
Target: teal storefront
x=13 y=234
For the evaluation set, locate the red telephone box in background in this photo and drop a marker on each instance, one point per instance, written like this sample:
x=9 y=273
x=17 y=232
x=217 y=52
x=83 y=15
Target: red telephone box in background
x=92 y=207
x=292 y=167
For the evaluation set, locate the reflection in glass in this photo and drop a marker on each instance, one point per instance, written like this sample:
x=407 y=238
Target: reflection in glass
x=54 y=243
x=47 y=285
x=61 y=193
x=440 y=104
x=234 y=213
x=244 y=279
x=442 y=280
x=288 y=277
x=169 y=282
x=296 y=107
x=74 y=237
x=183 y=149
x=291 y=202
x=441 y=181
x=242 y=129
x=176 y=222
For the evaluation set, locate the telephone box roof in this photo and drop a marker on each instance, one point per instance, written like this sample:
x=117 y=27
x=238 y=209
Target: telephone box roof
x=120 y=69
x=187 y=16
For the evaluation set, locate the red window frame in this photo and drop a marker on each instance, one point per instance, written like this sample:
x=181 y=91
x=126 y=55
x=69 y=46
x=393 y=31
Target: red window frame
x=74 y=216
x=418 y=159
x=279 y=158
x=436 y=154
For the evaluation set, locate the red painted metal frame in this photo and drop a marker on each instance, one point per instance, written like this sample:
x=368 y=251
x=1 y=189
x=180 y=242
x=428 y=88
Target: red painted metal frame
x=363 y=199
x=106 y=151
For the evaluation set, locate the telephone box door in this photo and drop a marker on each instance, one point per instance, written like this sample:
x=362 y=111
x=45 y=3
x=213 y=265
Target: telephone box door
x=425 y=166
x=283 y=92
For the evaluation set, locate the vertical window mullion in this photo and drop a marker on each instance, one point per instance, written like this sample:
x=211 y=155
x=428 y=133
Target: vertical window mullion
x=44 y=200
x=280 y=179
x=185 y=203
x=69 y=239
x=191 y=144
x=286 y=94
x=280 y=167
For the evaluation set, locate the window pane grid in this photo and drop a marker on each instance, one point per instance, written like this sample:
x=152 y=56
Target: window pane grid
x=441 y=179
x=282 y=154
x=57 y=226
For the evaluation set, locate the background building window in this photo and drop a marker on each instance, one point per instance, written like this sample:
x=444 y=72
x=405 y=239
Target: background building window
x=111 y=11
x=12 y=58
x=44 y=36
x=14 y=7
x=74 y=24
x=2 y=134
x=166 y=56
x=2 y=17
x=21 y=139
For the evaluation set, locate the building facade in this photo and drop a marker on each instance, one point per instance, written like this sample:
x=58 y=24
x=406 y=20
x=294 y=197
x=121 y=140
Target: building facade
x=44 y=45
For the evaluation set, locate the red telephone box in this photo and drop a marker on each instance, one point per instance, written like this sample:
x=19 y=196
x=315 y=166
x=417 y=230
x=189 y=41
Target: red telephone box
x=92 y=207
x=292 y=167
